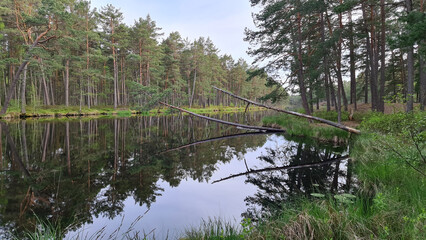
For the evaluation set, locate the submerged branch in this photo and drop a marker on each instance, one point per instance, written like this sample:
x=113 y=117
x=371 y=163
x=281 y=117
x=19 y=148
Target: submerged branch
x=307 y=165
x=337 y=125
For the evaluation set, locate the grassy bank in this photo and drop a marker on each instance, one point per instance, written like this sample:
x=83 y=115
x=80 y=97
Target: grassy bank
x=389 y=203
x=296 y=126
x=63 y=111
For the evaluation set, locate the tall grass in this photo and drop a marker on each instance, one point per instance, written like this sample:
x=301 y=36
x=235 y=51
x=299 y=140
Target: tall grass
x=391 y=200
x=214 y=229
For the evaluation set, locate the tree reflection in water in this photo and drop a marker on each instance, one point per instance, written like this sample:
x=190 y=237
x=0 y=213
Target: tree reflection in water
x=72 y=171
x=75 y=170
x=281 y=186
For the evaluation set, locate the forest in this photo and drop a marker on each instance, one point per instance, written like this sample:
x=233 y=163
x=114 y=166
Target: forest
x=331 y=52
x=344 y=52
x=66 y=53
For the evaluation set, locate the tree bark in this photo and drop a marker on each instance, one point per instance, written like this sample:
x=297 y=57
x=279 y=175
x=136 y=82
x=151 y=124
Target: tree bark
x=381 y=103
x=422 y=73
x=339 y=64
x=410 y=67
x=370 y=43
x=300 y=66
x=23 y=91
x=193 y=88
x=67 y=82
x=114 y=65
x=44 y=83
x=352 y=61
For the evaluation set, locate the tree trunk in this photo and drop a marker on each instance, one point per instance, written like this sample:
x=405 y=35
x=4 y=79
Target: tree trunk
x=193 y=88
x=115 y=66
x=410 y=67
x=140 y=62
x=67 y=82
x=367 y=76
x=381 y=103
x=45 y=88
x=422 y=73
x=300 y=66
x=352 y=61
x=87 y=60
x=339 y=64
x=371 y=55
x=23 y=91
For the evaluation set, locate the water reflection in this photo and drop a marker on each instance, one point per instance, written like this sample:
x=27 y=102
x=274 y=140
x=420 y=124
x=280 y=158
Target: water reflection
x=76 y=170
x=80 y=171
x=294 y=169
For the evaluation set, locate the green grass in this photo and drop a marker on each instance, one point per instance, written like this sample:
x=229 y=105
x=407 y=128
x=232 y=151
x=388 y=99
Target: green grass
x=391 y=200
x=297 y=126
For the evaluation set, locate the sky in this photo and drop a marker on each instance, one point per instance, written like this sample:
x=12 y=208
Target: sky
x=223 y=21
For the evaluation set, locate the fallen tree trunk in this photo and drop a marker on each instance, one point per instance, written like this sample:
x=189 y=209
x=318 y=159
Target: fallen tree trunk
x=242 y=126
x=337 y=125
x=283 y=168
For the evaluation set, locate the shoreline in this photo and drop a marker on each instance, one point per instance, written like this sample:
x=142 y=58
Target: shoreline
x=67 y=112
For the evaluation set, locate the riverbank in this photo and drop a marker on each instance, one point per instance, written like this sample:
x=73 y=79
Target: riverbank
x=389 y=162
x=75 y=111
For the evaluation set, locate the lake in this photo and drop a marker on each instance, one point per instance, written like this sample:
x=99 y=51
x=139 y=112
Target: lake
x=100 y=176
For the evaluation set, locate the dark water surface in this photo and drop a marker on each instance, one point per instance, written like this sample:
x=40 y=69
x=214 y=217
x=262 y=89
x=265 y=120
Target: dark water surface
x=89 y=174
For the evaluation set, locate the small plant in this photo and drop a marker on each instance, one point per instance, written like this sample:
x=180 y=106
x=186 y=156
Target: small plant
x=247 y=226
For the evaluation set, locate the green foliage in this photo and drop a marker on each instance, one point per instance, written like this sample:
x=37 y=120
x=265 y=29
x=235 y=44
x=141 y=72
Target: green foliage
x=414 y=30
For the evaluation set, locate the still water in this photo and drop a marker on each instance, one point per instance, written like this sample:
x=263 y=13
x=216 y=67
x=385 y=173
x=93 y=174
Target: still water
x=154 y=174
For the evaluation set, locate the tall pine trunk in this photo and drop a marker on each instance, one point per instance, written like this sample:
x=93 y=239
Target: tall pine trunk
x=67 y=81
x=325 y=64
x=410 y=66
x=339 y=64
x=381 y=103
x=300 y=66
x=371 y=56
x=23 y=91
x=352 y=61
